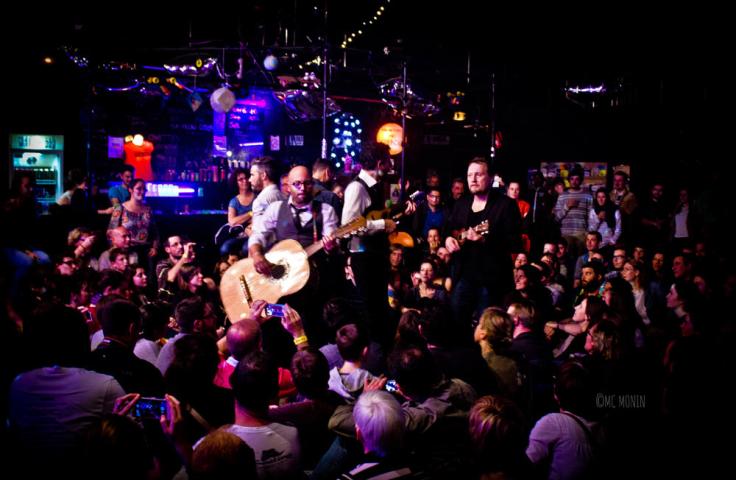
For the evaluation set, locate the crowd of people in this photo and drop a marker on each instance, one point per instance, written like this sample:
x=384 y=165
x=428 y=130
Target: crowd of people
x=548 y=330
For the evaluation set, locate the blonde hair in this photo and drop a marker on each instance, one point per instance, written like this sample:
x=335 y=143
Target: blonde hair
x=498 y=326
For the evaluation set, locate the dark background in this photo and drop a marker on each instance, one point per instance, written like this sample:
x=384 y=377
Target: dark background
x=666 y=70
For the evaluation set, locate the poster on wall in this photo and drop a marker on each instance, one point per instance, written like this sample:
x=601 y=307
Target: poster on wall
x=595 y=172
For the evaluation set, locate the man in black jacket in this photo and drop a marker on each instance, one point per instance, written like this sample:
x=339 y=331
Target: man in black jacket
x=483 y=267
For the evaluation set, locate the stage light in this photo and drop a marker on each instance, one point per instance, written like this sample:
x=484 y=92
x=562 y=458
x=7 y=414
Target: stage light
x=392 y=135
x=346 y=141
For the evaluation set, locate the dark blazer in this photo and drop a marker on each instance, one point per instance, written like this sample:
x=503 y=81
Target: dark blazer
x=503 y=238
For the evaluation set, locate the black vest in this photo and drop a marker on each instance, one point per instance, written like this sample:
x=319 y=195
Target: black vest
x=289 y=225
x=378 y=241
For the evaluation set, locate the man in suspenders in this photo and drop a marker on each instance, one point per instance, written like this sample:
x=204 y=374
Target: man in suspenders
x=369 y=252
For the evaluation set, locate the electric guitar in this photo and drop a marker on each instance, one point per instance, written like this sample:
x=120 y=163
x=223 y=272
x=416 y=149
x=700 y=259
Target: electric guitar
x=241 y=284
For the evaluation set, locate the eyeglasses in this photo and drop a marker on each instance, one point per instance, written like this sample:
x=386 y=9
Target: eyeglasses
x=297 y=184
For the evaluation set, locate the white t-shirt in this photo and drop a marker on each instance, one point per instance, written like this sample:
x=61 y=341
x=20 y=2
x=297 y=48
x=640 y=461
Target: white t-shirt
x=276 y=447
x=147 y=350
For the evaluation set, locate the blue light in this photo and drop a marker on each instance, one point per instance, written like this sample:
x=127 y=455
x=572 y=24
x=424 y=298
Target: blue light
x=346 y=141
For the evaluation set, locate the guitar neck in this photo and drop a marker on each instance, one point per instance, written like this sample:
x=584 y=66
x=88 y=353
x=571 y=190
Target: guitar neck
x=314 y=248
x=339 y=233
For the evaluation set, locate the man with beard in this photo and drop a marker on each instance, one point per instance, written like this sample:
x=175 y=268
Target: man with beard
x=369 y=251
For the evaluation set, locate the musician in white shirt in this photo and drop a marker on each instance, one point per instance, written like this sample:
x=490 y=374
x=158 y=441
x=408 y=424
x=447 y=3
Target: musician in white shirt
x=293 y=218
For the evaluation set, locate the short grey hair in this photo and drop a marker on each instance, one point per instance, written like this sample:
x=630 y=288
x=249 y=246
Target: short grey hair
x=380 y=419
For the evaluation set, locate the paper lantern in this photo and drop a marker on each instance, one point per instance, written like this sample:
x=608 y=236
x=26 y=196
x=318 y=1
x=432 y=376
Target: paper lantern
x=392 y=135
x=222 y=100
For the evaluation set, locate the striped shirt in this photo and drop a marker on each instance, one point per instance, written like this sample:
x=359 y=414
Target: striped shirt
x=573 y=221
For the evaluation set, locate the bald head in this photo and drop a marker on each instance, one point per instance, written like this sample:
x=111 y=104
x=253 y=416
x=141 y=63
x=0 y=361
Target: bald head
x=119 y=237
x=300 y=185
x=243 y=338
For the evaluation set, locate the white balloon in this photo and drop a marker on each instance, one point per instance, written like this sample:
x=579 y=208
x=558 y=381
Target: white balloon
x=270 y=63
x=222 y=100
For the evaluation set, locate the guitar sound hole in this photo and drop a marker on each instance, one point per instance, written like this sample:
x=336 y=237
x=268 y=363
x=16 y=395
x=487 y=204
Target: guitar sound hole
x=278 y=271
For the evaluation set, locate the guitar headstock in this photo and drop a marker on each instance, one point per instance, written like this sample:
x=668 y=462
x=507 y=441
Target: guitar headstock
x=354 y=226
x=482 y=228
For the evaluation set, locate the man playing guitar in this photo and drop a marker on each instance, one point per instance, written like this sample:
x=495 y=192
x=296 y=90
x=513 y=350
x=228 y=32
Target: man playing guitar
x=302 y=219
x=369 y=253
x=297 y=218
x=483 y=268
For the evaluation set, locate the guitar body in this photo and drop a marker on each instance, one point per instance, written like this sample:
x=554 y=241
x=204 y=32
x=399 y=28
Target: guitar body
x=290 y=275
x=241 y=284
x=480 y=229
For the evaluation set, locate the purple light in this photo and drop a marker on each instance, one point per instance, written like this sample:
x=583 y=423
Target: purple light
x=169 y=190
x=591 y=89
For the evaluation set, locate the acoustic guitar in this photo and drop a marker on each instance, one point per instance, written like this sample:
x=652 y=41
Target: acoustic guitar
x=394 y=212
x=241 y=284
x=461 y=235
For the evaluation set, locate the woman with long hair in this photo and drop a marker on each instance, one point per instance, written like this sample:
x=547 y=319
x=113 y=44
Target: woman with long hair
x=239 y=213
x=137 y=217
x=605 y=218
x=426 y=288
x=632 y=272
x=493 y=334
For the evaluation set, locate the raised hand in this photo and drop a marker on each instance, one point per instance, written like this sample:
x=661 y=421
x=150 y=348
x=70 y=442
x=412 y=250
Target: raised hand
x=292 y=322
x=376 y=383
